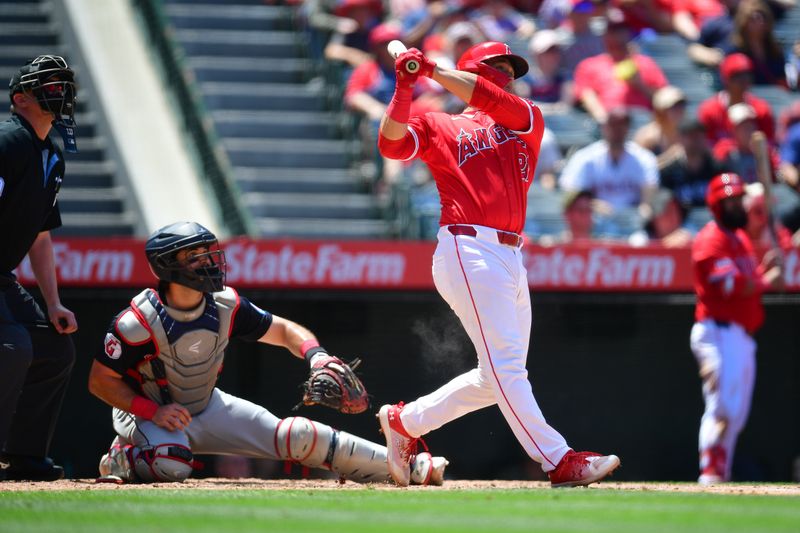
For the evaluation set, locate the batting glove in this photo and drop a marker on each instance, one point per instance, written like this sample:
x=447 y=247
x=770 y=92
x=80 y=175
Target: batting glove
x=404 y=62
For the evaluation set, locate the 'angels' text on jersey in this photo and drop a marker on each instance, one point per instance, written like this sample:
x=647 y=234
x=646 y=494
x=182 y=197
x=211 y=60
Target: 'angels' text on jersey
x=470 y=144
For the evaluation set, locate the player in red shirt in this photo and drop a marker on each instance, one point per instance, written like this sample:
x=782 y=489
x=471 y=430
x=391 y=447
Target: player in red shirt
x=728 y=285
x=483 y=161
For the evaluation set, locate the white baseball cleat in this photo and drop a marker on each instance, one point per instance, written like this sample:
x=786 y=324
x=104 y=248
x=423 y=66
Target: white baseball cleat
x=116 y=463
x=428 y=470
x=400 y=446
x=578 y=469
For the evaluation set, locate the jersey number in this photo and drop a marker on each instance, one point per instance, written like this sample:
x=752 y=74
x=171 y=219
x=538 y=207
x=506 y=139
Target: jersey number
x=522 y=159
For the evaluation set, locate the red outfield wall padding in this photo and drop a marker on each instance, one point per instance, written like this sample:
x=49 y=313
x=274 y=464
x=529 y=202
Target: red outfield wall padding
x=381 y=265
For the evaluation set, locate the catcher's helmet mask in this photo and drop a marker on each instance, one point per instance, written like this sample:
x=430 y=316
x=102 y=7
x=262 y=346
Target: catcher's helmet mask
x=52 y=83
x=202 y=271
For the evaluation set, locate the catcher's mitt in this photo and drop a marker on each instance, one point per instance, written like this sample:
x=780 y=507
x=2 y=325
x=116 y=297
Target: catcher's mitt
x=333 y=383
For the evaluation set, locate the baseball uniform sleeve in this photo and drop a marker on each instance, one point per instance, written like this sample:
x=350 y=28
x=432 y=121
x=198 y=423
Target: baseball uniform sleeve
x=717 y=269
x=412 y=145
x=117 y=353
x=53 y=220
x=250 y=322
x=508 y=110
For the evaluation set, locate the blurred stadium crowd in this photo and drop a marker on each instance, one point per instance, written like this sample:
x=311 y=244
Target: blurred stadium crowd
x=644 y=102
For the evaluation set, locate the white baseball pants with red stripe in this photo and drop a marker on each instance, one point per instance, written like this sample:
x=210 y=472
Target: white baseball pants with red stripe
x=726 y=356
x=486 y=284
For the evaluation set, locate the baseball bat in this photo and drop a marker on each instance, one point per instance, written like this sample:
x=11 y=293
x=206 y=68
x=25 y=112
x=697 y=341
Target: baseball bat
x=395 y=48
x=758 y=143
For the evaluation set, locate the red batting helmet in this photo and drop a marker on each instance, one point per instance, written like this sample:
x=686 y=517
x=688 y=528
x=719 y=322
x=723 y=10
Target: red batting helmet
x=488 y=50
x=723 y=186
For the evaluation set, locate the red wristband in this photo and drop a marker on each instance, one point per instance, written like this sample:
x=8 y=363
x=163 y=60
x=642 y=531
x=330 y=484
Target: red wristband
x=399 y=109
x=143 y=407
x=307 y=345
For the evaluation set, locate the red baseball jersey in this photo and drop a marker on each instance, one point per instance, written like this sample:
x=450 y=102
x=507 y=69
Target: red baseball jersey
x=482 y=169
x=723 y=262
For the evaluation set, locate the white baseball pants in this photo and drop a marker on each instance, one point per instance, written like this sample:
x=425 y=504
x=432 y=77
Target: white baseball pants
x=726 y=356
x=486 y=284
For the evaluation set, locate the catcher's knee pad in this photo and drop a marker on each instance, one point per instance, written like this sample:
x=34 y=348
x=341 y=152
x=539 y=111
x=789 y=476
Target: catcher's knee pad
x=164 y=462
x=304 y=441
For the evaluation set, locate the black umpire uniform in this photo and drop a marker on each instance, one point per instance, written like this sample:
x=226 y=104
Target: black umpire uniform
x=35 y=360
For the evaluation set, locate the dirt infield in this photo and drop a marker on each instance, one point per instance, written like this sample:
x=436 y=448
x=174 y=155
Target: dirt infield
x=260 y=484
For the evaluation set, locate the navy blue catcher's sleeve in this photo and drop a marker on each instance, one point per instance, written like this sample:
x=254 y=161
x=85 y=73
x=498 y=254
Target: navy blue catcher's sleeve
x=117 y=353
x=250 y=322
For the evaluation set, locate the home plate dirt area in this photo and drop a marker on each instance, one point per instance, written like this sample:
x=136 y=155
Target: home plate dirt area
x=327 y=484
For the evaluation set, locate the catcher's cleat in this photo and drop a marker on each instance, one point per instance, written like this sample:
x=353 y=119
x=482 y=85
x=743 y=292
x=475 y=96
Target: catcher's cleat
x=400 y=446
x=578 y=469
x=117 y=463
x=428 y=470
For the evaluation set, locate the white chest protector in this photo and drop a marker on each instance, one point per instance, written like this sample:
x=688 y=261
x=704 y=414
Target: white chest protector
x=188 y=355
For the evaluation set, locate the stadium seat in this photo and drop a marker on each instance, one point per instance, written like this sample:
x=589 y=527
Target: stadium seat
x=697 y=217
x=281 y=126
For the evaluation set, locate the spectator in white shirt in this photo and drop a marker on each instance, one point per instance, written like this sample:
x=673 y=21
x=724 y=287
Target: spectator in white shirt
x=620 y=173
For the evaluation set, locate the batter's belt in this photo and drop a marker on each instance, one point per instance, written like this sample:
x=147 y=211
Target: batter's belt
x=503 y=237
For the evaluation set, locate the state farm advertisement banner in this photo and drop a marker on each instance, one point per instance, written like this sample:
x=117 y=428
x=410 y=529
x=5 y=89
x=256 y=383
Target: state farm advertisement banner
x=381 y=265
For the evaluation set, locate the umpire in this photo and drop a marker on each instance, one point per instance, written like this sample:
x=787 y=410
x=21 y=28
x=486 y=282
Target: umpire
x=36 y=351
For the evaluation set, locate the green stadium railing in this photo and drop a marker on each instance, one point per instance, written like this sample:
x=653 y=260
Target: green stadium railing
x=207 y=153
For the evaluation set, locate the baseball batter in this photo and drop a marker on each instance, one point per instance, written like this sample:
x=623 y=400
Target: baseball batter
x=728 y=284
x=483 y=161
x=159 y=364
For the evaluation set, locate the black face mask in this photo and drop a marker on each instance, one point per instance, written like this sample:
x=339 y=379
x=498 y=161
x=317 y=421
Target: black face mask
x=733 y=220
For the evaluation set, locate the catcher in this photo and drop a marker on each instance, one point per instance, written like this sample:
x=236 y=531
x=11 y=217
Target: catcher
x=159 y=364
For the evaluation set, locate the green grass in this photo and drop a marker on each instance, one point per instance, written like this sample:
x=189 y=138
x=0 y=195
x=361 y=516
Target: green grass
x=389 y=511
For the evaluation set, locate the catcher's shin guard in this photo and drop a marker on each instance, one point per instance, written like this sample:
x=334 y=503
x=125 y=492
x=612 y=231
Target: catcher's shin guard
x=317 y=445
x=359 y=459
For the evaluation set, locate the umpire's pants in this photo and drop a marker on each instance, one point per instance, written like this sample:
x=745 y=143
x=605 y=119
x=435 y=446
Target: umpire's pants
x=35 y=365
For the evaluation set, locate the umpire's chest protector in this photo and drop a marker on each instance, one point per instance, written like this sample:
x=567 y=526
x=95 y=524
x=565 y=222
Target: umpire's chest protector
x=191 y=353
